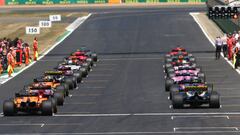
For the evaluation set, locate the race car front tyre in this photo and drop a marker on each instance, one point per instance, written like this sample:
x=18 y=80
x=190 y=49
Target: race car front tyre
x=168 y=84
x=167 y=66
x=59 y=97
x=8 y=108
x=47 y=108
x=62 y=89
x=214 y=100
x=177 y=101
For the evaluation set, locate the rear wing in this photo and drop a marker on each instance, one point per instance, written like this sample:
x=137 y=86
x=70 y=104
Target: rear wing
x=198 y=88
x=53 y=73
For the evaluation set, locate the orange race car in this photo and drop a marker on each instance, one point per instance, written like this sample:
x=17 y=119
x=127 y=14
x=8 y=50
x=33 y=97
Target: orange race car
x=29 y=103
x=42 y=88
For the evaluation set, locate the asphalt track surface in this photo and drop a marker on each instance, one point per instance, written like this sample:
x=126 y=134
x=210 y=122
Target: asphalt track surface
x=124 y=94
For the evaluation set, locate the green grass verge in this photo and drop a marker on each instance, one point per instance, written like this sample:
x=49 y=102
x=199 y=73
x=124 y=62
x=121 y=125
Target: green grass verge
x=226 y=25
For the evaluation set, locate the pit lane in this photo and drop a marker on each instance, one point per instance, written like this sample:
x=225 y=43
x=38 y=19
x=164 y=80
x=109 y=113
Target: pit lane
x=124 y=93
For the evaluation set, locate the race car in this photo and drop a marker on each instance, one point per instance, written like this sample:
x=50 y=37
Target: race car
x=83 y=70
x=45 y=90
x=178 y=70
x=57 y=78
x=177 y=51
x=183 y=78
x=194 y=94
x=87 y=52
x=180 y=59
x=73 y=60
x=183 y=64
x=67 y=70
x=29 y=103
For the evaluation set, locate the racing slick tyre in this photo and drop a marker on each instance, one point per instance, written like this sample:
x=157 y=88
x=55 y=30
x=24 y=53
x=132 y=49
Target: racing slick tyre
x=170 y=71
x=62 y=89
x=210 y=88
x=201 y=76
x=90 y=61
x=84 y=71
x=74 y=80
x=194 y=65
x=70 y=83
x=171 y=75
x=167 y=56
x=190 y=55
x=167 y=66
x=94 y=57
x=78 y=75
x=168 y=83
x=192 y=59
x=168 y=60
x=177 y=101
x=47 y=108
x=59 y=97
x=214 y=100
x=54 y=103
x=8 y=108
x=87 y=66
x=173 y=90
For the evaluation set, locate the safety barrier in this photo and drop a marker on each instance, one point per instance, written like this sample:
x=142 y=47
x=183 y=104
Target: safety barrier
x=164 y=1
x=48 y=2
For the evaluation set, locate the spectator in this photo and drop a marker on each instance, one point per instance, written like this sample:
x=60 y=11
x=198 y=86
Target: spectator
x=224 y=46
x=11 y=63
x=230 y=46
x=237 y=58
x=218 y=44
x=27 y=54
x=35 y=49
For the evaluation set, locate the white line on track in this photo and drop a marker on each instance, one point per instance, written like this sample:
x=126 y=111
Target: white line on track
x=128 y=133
x=140 y=58
x=201 y=116
x=206 y=129
x=146 y=114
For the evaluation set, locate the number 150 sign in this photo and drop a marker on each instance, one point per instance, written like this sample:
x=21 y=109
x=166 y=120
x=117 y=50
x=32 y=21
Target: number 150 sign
x=32 y=30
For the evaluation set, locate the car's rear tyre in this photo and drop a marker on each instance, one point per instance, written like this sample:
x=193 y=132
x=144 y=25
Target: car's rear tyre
x=59 y=97
x=84 y=71
x=78 y=75
x=70 y=83
x=177 y=101
x=201 y=76
x=173 y=90
x=63 y=90
x=47 y=108
x=8 y=108
x=94 y=57
x=214 y=100
x=54 y=103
